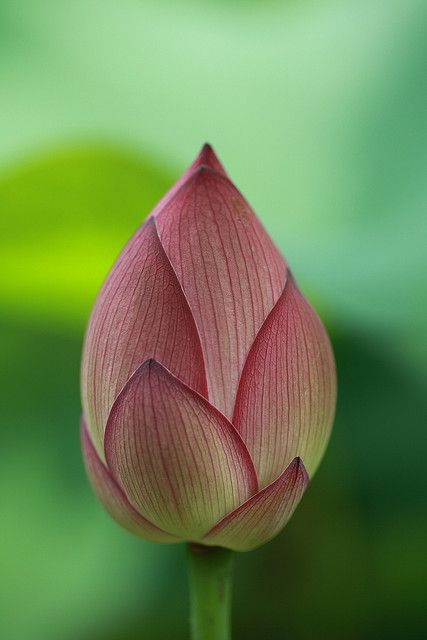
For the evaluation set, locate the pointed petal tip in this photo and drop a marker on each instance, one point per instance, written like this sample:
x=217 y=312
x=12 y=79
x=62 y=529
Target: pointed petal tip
x=263 y=515
x=207 y=149
x=203 y=169
x=151 y=365
x=208 y=157
x=140 y=312
x=187 y=491
x=213 y=178
x=298 y=464
x=291 y=352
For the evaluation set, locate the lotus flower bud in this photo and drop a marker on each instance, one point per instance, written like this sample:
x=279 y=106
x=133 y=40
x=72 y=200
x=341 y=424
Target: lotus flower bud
x=208 y=381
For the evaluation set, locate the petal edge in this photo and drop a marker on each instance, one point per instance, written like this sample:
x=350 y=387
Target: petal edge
x=230 y=271
x=113 y=499
x=140 y=312
x=286 y=397
x=264 y=515
x=206 y=157
x=177 y=458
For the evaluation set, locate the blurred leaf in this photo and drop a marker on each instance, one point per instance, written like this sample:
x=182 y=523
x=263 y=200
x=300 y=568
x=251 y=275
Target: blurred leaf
x=65 y=218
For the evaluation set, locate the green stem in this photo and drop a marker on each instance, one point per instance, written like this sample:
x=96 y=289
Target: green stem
x=210 y=592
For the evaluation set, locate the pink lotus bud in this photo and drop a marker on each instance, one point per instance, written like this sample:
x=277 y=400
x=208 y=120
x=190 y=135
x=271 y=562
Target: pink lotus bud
x=207 y=378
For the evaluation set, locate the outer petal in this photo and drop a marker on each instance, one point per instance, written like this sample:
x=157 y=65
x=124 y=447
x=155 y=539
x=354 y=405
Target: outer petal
x=113 y=499
x=286 y=399
x=178 y=459
x=206 y=158
x=264 y=515
x=230 y=271
x=141 y=312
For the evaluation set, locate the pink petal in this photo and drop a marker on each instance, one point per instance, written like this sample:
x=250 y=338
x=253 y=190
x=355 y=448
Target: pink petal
x=264 y=515
x=207 y=158
x=113 y=499
x=141 y=312
x=286 y=398
x=231 y=273
x=178 y=459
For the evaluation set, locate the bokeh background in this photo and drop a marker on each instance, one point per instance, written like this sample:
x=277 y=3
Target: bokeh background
x=318 y=109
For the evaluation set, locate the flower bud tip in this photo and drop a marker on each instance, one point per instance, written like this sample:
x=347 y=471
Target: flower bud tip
x=208 y=157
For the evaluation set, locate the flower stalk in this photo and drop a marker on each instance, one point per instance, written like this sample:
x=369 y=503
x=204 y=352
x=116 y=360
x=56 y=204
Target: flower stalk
x=210 y=592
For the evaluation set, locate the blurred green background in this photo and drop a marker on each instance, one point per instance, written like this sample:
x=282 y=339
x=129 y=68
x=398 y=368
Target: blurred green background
x=318 y=109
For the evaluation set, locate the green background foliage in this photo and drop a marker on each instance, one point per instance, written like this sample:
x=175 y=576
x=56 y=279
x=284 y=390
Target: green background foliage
x=318 y=111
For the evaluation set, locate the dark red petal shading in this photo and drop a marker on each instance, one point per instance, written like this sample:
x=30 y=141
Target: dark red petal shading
x=178 y=459
x=112 y=497
x=229 y=268
x=286 y=399
x=141 y=312
x=264 y=515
